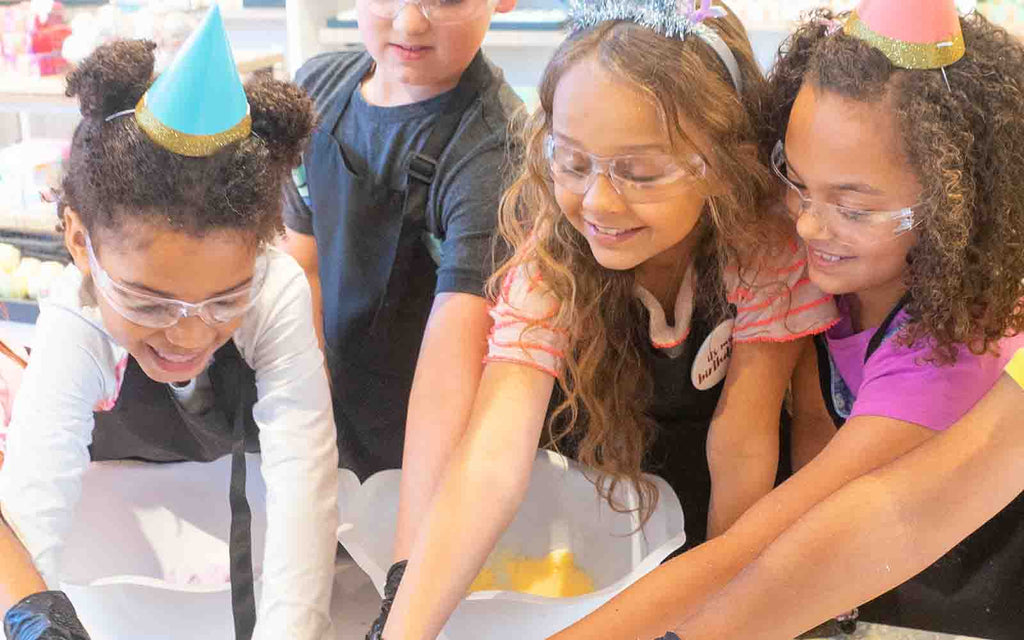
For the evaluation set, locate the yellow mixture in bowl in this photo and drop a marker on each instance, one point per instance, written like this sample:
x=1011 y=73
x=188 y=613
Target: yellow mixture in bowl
x=554 y=576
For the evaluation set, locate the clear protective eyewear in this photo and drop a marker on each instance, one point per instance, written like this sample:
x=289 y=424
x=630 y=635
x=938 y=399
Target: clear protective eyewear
x=156 y=312
x=845 y=223
x=639 y=178
x=436 y=11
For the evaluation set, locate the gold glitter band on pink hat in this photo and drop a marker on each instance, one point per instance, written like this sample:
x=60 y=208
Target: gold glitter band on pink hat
x=908 y=55
x=913 y=34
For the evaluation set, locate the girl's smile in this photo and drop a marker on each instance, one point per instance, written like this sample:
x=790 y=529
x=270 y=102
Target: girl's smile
x=623 y=233
x=610 y=235
x=171 y=264
x=841 y=150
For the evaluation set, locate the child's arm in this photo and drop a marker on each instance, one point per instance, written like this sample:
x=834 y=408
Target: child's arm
x=299 y=457
x=448 y=372
x=50 y=431
x=776 y=304
x=302 y=247
x=28 y=610
x=675 y=590
x=743 y=443
x=19 y=577
x=908 y=514
x=812 y=426
x=480 y=493
x=451 y=358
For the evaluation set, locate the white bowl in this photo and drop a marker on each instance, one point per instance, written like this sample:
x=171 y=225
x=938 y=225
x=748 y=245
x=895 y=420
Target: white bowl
x=147 y=557
x=561 y=510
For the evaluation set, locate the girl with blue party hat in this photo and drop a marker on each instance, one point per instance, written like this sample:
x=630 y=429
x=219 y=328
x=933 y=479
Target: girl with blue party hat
x=649 y=280
x=896 y=131
x=179 y=333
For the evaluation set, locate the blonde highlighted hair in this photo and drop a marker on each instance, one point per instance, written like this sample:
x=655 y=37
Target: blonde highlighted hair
x=605 y=383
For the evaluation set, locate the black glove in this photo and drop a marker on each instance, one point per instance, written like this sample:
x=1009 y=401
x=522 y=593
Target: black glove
x=394 y=579
x=668 y=636
x=48 y=615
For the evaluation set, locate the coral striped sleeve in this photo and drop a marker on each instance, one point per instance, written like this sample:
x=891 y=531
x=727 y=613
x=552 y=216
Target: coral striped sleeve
x=777 y=302
x=523 y=331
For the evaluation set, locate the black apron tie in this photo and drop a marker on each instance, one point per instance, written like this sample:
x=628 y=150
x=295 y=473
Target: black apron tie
x=243 y=596
x=149 y=424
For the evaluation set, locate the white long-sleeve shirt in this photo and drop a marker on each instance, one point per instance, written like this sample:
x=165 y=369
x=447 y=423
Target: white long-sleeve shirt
x=76 y=368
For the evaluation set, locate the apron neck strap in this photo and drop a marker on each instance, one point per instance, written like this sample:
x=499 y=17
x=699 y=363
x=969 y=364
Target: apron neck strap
x=421 y=165
x=883 y=329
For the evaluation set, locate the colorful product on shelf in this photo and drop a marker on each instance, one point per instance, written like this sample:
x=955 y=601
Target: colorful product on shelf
x=167 y=23
x=31 y=37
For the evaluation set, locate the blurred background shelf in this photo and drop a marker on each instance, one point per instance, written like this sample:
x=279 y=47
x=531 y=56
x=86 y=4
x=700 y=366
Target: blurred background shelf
x=20 y=311
x=25 y=95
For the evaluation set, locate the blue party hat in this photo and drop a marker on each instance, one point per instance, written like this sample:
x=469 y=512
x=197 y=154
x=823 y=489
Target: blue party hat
x=198 y=105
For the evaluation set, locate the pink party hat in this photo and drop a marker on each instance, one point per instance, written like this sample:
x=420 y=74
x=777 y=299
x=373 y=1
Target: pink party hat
x=913 y=34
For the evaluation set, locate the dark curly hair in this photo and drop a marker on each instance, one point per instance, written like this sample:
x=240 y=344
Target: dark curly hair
x=117 y=175
x=965 y=143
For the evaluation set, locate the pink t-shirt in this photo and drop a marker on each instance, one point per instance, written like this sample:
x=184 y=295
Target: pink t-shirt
x=775 y=303
x=897 y=383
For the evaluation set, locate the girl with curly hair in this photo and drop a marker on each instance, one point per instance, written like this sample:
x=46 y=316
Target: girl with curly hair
x=178 y=334
x=902 y=166
x=908 y=514
x=647 y=278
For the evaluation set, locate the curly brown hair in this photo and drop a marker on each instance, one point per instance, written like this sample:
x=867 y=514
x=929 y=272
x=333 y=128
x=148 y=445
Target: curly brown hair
x=117 y=175
x=965 y=143
x=606 y=384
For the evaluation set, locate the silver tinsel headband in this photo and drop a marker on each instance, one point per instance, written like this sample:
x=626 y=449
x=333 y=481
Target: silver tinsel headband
x=671 y=18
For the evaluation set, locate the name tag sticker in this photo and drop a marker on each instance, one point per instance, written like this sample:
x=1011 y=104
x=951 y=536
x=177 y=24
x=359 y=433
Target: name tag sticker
x=712 y=361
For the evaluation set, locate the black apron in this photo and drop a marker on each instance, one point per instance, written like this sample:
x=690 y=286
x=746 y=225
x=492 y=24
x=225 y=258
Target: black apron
x=682 y=413
x=977 y=589
x=148 y=423
x=385 y=277
x=683 y=417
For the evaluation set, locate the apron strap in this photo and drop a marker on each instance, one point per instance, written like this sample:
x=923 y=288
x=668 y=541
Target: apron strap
x=825 y=379
x=825 y=360
x=339 y=99
x=879 y=336
x=243 y=597
x=421 y=166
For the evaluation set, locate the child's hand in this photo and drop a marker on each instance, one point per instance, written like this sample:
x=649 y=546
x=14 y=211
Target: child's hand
x=394 y=579
x=48 y=615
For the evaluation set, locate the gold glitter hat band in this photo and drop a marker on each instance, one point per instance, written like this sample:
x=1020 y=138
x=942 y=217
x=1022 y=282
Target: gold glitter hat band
x=188 y=144
x=908 y=55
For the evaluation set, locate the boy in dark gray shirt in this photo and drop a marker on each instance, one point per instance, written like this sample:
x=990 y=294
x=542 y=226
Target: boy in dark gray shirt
x=392 y=217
